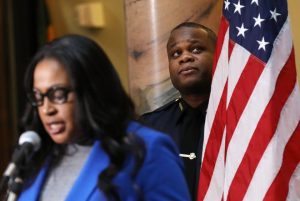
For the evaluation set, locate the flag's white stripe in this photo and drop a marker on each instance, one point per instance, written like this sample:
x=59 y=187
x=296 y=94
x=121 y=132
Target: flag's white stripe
x=218 y=83
x=257 y=103
x=294 y=185
x=273 y=156
x=215 y=189
x=236 y=67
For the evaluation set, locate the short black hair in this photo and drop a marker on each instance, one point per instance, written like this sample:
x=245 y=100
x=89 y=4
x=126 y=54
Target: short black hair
x=211 y=33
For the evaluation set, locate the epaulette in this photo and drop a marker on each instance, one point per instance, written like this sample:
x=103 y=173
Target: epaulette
x=166 y=106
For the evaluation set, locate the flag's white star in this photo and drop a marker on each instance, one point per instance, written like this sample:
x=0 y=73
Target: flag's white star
x=262 y=44
x=242 y=30
x=238 y=7
x=254 y=1
x=274 y=14
x=227 y=3
x=258 y=20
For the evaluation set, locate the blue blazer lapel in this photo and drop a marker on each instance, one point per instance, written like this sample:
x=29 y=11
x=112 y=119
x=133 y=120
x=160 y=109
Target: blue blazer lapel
x=33 y=192
x=86 y=183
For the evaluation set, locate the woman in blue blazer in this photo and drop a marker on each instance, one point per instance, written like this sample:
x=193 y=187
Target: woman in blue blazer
x=92 y=147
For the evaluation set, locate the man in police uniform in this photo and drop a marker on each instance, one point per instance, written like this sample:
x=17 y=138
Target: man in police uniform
x=190 y=51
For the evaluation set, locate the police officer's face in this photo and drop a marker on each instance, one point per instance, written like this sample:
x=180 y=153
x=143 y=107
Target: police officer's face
x=190 y=54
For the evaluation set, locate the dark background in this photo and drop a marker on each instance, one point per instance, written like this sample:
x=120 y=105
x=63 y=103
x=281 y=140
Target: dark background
x=23 y=25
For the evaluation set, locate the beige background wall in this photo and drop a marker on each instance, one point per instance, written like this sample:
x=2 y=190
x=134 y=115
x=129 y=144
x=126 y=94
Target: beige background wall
x=294 y=8
x=111 y=37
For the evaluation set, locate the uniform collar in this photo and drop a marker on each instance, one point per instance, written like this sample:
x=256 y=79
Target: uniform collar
x=183 y=107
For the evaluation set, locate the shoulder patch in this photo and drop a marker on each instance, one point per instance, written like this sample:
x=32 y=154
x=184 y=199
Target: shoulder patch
x=164 y=107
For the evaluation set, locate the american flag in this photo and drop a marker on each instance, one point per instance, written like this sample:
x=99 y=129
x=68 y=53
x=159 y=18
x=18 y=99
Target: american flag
x=252 y=133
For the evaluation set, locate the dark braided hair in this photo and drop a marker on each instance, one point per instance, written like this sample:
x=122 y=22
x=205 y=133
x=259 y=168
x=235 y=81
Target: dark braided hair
x=103 y=109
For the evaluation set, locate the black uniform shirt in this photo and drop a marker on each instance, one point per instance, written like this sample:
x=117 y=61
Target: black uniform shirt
x=186 y=126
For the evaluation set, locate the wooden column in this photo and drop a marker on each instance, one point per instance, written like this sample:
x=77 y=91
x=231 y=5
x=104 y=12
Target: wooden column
x=148 y=23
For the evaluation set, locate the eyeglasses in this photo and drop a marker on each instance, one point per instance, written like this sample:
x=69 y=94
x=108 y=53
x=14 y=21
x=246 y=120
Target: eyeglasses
x=55 y=94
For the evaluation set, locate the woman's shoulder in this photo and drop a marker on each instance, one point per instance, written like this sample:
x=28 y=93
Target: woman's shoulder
x=156 y=142
x=149 y=135
x=161 y=176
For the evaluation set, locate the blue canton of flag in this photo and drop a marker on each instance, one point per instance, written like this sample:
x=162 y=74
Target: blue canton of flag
x=255 y=24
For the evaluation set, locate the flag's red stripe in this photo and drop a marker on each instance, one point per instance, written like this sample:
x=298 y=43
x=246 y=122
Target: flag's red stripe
x=263 y=132
x=221 y=35
x=230 y=47
x=241 y=95
x=217 y=127
x=291 y=158
x=213 y=146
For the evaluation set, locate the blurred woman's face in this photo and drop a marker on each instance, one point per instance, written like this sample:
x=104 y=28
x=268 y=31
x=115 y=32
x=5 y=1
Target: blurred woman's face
x=55 y=100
